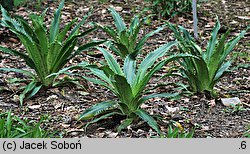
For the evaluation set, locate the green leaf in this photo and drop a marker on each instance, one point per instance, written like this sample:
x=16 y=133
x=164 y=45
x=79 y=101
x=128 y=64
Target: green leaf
x=27 y=28
x=9 y=123
x=133 y=34
x=111 y=113
x=151 y=58
x=77 y=27
x=12 y=24
x=222 y=70
x=124 y=90
x=213 y=40
x=231 y=45
x=144 y=39
x=122 y=49
x=113 y=48
x=114 y=66
x=172 y=133
x=63 y=34
x=101 y=83
x=100 y=73
x=34 y=91
x=139 y=85
x=125 y=124
x=28 y=88
x=28 y=73
x=54 y=29
x=96 y=110
x=124 y=39
x=129 y=69
x=119 y=23
x=215 y=63
x=147 y=118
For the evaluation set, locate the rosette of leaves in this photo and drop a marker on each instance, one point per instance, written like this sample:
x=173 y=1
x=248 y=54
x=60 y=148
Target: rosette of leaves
x=47 y=51
x=128 y=84
x=125 y=39
x=204 y=72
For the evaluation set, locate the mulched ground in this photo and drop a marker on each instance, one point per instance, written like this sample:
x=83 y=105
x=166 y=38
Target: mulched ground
x=63 y=105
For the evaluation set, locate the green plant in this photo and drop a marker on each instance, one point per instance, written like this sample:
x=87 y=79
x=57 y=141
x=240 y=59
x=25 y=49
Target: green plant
x=178 y=132
x=235 y=108
x=13 y=127
x=204 y=72
x=238 y=107
x=19 y=2
x=125 y=39
x=47 y=51
x=170 y=8
x=129 y=85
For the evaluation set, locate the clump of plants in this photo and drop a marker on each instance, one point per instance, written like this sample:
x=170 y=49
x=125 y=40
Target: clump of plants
x=47 y=50
x=13 y=127
x=204 y=72
x=124 y=40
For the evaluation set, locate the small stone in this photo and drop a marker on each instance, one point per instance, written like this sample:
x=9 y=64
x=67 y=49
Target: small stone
x=144 y=106
x=205 y=128
x=118 y=9
x=57 y=105
x=173 y=109
x=52 y=97
x=86 y=9
x=16 y=98
x=65 y=125
x=244 y=17
x=112 y=135
x=104 y=11
x=234 y=22
x=83 y=93
x=34 y=107
x=230 y=101
x=74 y=133
x=13 y=40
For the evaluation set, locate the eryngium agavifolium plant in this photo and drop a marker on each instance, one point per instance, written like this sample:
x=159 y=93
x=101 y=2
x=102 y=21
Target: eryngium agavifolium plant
x=124 y=40
x=47 y=50
x=204 y=72
x=128 y=84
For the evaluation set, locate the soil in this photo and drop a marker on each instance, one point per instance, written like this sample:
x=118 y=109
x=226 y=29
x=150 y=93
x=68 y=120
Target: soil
x=63 y=105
